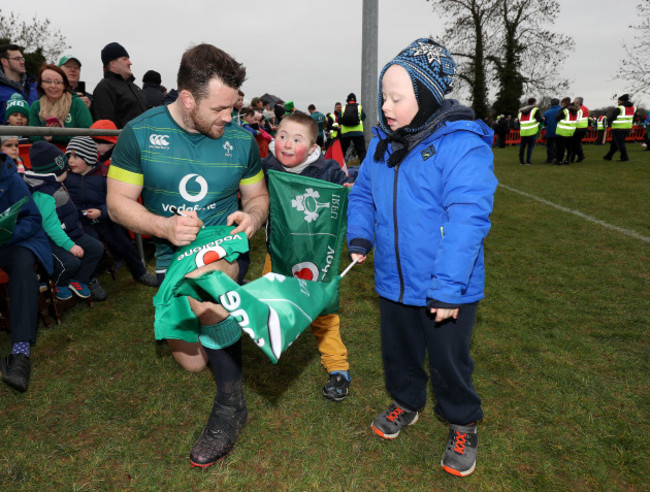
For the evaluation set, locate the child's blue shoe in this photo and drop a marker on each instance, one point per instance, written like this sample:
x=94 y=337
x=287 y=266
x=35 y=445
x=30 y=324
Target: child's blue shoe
x=62 y=293
x=336 y=388
x=79 y=288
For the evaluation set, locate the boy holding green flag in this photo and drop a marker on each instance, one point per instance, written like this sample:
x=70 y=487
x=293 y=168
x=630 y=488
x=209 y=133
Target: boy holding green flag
x=321 y=214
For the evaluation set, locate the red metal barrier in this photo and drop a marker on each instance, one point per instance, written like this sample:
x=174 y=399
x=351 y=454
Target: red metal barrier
x=637 y=134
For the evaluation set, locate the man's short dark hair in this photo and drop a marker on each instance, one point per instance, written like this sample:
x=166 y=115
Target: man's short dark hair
x=311 y=107
x=8 y=47
x=203 y=62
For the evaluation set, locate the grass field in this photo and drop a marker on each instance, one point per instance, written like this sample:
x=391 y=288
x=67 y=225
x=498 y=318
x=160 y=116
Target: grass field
x=560 y=345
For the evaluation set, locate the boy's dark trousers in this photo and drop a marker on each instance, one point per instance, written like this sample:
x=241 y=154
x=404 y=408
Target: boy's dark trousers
x=119 y=244
x=19 y=263
x=68 y=267
x=407 y=333
x=550 y=148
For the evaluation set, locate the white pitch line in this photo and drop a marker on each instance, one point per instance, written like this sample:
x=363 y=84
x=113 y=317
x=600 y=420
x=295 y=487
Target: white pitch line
x=627 y=232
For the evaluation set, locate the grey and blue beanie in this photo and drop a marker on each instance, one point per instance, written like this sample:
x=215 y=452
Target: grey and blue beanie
x=84 y=147
x=433 y=73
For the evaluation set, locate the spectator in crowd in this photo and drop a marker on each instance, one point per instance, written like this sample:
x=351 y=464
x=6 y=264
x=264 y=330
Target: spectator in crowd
x=237 y=107
x=332 y=125
x=320 y=119
x=601 y=129
x=76 y=254
x=57 y=106
x=582 y=125
x=153 y=91
x=26 y=247
x=351 y=130
x=87 y=187
x=17 y=112
x=566 y=118
x=501 y=129
x=529 y=119
x=14 y=78
x=621 y=121
x=105 y=144
x=551 y=124
x=116 y=97
x=10 y=145
x=72 y=68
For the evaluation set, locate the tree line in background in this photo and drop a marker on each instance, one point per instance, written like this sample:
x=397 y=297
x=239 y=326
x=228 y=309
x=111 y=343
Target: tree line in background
x=497 y=43
x=508 y=44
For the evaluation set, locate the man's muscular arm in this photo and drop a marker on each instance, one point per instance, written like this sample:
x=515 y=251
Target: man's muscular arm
x=123 y=208
x=255 y=209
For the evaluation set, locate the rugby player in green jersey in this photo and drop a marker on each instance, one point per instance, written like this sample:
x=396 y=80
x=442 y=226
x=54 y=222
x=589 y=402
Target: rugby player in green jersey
x=190 y=164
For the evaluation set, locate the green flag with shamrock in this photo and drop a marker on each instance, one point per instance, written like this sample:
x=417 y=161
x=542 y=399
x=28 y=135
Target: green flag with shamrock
x=307 y=228
x=273 y=310
x=8 y=218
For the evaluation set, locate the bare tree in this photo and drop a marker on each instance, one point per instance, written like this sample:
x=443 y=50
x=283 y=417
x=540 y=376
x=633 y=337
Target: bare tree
x=531 y=54
x=467 y=40
x=37 y=37
x=634 y=68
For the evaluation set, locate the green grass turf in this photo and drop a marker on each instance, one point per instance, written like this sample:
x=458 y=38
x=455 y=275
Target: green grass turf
x=560 y=346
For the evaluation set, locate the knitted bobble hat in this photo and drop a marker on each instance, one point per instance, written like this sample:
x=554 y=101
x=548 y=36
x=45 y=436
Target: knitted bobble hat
x=46 y=158
x=433 y=73
x=16 y=104
x=84 y=147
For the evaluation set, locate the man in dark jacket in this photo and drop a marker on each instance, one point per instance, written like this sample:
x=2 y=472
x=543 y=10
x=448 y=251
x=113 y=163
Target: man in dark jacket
x=116 y=97
x=153 y=91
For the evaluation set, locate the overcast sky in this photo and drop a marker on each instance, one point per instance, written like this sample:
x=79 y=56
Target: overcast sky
x=310 y=51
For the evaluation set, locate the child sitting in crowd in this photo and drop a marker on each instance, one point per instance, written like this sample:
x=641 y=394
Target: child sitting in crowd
x=10 y=146
x=294 y=150
x=17 y=111
x=87 y=187
x=105 y=144
x=76 y=254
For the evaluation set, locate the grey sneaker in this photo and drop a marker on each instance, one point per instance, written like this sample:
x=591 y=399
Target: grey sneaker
x=336 y=388
x=98 y=292
x=149 y=279
x=394 y=418
x=460 y=456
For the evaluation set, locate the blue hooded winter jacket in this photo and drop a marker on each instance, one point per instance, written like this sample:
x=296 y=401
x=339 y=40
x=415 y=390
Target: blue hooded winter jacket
x=427 y=217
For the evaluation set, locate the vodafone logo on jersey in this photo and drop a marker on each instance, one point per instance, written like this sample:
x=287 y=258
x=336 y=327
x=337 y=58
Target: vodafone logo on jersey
x=193 y=196
x=159 y=141
x=305 y=270
x=209 y=255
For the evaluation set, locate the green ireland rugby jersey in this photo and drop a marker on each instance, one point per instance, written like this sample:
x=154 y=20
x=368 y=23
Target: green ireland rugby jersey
x=180 y=171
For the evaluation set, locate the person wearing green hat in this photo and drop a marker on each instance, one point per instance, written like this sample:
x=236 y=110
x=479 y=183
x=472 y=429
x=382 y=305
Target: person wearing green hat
x=17 y=111
x=72 y=68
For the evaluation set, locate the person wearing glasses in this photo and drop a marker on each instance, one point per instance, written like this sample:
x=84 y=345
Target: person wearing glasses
x=58 y=105
x=14 y=78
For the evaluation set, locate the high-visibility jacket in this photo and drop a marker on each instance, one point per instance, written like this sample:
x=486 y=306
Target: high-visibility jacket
x=566 y=127
x=357 y=128
x=583 y=117
x=601 y=123
x=624 y=120
x=528 y=125
x=334 y=127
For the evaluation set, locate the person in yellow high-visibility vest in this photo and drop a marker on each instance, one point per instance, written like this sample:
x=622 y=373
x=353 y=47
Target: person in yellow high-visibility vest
x=529 y=120
x=581 y=129
x=566 y=125
x=621 y=123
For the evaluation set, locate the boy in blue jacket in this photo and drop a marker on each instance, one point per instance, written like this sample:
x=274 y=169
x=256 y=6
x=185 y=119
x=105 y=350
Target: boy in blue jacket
x=423 y=199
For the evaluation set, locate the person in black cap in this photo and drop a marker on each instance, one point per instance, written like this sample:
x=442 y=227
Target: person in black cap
x=116 y=97
x=351 y=127
x=621 y=122
x=153 y=91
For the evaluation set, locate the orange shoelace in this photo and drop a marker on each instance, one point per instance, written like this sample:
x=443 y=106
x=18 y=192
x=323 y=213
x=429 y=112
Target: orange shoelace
x=459 y=442
x=394 y=415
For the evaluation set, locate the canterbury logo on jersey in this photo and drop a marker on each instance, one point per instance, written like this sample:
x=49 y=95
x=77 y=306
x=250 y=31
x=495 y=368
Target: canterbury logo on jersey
x=159 y=141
